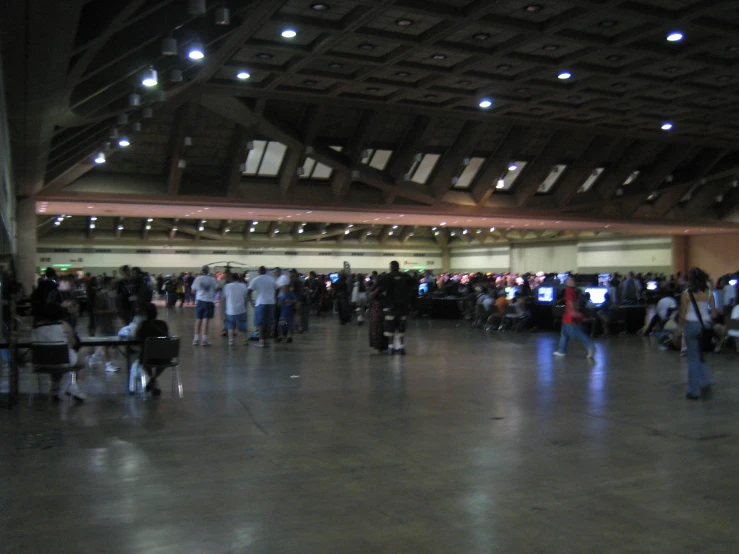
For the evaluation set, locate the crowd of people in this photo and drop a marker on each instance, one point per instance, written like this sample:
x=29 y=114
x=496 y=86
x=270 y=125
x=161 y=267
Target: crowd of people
x=687 y=307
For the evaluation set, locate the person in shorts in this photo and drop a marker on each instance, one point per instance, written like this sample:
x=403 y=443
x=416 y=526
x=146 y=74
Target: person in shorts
x=204 y=288
x=234 y=300
x=264 y=288
x=286 y=301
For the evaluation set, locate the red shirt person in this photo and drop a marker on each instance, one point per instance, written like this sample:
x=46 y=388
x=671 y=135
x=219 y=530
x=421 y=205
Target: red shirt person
x=571 y=327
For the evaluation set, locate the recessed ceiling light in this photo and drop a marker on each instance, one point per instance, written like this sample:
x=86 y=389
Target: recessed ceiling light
x=607 y=24
x=404 y=22
x=674 y=36
x=402 y=74
x=373 y=89
x=533 y=8
x=564 y=75
x=310 y=82
x=289 y=33
x=551 y=47
x=319 y=6
x=504 y=67
x=366 y=46
x=438 y=57
x=485 y=103
x=614 y=58
x=264 y=56
x=335 y=65
x=481 y=36
x=243 y=75
x=667 y=126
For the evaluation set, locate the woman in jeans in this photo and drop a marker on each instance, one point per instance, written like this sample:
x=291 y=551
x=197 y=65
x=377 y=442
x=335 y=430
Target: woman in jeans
x=697 y=295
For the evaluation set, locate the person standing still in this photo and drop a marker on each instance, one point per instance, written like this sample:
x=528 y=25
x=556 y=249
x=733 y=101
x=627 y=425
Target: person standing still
x=234 y=300
x=697 y=308
x=264 y=304
x=398 y=290
x=572 y=323
x=204 y=287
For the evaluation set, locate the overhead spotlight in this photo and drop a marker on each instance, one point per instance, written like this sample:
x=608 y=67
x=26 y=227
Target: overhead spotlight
x=93 y=218
x=147 y=113
x=148 y=227
x=720 y=198
x=277 y=231
x=492 y=229
x=120 y=227
x=123 y=142
x=319 y=6
x=453 y=234
x=255 y=223
x=564 y=75
x=201 y=228
x=667 y=126
x=227 y=230
x=222 y=16
x=100 y=158
x=196 y=51
x=188 y=141
x=390 y=233
x=92 y=225
x=243 y=75
x=150 y=78
x=182 y=164
x=134 y=99
x=464 y=232
x=169 y=46
x=301 y=230
x=478 y=231
x=501 y=184
x=350 y=225
x=442 y=223
x=251 y=229
x=289 y=33
x=395 y=226
x=176 y=76
x=485 y=103
x=196 y=7
x=434 y=228
x=512 y=167
x=346 y=232
x=674 y=36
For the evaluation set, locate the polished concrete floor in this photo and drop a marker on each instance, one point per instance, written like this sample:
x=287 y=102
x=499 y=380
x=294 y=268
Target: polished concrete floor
x=473 y=443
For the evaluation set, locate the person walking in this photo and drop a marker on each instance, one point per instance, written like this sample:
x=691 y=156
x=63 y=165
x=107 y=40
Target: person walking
x=399 y=291
x=204 y=288
x=572 y=323
x=234 y=300
x=697 y=308
x=264 y=304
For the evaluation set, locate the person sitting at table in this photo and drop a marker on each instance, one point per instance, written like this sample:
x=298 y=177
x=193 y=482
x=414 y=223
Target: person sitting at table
x=151 y=327
x=51 y=327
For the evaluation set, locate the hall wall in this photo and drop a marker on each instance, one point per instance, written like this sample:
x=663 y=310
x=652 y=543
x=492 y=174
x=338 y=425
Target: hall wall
x=715 y=254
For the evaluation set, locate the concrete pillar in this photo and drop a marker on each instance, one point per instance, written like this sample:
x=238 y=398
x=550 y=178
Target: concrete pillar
x=25 y=242
x=680 y=254
x=446 y=260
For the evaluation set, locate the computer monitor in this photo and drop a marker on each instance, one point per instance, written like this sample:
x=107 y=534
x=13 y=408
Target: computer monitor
x=510 y=292
x=563 y=277
x=334 y=277
x=732 y=282
x=423 y=288
x=604 y=279
x=652 y=285
x=597 y=294
x=545 y=295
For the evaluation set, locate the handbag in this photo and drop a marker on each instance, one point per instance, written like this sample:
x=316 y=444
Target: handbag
x=707 y=335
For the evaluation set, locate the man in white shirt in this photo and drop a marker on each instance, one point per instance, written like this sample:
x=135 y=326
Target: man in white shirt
x=234 y=299
x=204 y=288
x=282 y=280
x=264 y=304
x=666 y=309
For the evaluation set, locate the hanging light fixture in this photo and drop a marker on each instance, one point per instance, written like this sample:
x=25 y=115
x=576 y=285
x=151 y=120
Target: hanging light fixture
x=175 y=76
x=150 y=78
x=182 y=164
x=123 y=142
x=188 y=141
x=169 y=46
x=123 y=119
x=136 y=127
x=134 y=99
x=196 y=7
x=100 y=158
x=113 y=133
x=196 y=51
x=223 y=16
x=160 y=96
x=147 y=113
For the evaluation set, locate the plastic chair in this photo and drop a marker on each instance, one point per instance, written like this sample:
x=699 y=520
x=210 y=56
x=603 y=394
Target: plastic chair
x=50 y=358
x=159 y=354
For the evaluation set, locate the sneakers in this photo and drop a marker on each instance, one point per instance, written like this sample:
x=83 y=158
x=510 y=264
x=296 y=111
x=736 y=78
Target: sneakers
x=195 y=342
x=92 y=361
x=684 y=352
x=558 y=354
x=110 y=368
x=206 y=342
x=74 y=391
x=230 y=342
x=591 y=353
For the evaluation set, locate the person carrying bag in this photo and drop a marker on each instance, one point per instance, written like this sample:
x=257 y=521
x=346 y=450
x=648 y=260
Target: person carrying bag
x=696 y=310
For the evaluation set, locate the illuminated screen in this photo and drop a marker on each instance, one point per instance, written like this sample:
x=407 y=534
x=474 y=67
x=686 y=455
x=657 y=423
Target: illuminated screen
x=733 y=282
x=563 y=277
x=423 y=288
x=545 y=294
x=597 y=294
x=334 y=277
x=652 y=285
x=604 y=279
x=510 y=292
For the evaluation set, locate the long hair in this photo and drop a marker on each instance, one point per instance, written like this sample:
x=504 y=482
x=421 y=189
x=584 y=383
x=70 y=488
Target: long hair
x=697 y=279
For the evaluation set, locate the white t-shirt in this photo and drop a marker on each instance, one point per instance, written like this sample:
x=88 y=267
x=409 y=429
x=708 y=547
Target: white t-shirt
x=205 y=288
x=234 y=294
x=264 y=287
x=664 y=305
x=729 y=295
x=282 y=281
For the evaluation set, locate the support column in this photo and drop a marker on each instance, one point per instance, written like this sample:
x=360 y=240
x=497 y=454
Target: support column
x=25 y=241
x=680 y=254
x=446 y=260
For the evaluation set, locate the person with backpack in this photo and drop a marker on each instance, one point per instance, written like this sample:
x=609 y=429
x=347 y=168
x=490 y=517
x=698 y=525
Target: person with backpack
x=399 y=291
x=572 y=323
